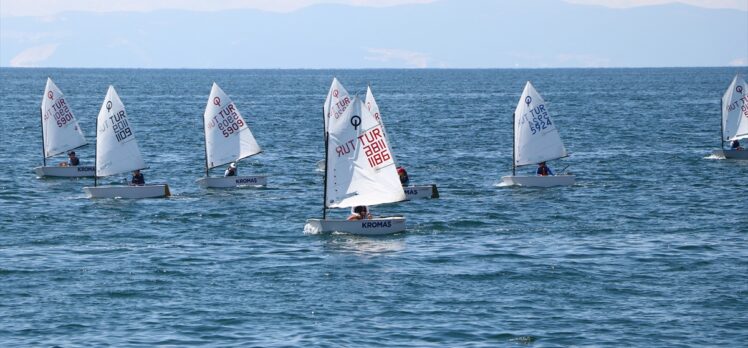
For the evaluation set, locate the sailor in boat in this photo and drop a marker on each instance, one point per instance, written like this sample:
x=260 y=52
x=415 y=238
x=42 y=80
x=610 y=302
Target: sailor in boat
x=543 y=170
x=403 y=176
x=72 y=160
x=735 y=145
x=360 y=212
x=231 y=170
x=137 y=178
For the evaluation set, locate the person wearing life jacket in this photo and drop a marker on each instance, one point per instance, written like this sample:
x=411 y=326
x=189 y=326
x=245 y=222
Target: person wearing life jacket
x=543 y=169
x=360 y=212
x=72 y=160
x=137 y=178
x=231 y=170
x=403 y=176
x=735 y=145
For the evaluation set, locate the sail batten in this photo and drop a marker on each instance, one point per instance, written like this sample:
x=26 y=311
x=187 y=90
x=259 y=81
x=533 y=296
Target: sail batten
x=116 y=147
x=227 y=135
x=60 y=130
x=536 y=138
x=735 y=110
x=360 y=167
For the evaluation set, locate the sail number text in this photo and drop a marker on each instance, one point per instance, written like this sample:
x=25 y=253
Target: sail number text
x=61 y=113
x=374 y=146
x=742 y=103
x=540 y=119
x=339 y=107
x=120 y=126
x=227 y=121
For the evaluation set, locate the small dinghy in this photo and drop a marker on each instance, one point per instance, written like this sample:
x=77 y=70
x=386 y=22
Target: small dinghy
x=734 y=105
x=228 y=139
x=411 y=191
x=117 y=152
x=359 y=170
x=60 y=134
x=536 y=140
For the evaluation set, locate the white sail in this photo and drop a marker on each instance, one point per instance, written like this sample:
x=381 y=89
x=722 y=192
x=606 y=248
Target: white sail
x=336 y=102
x=735 y=110
x=536 y=138
x=227 y=134
x=59 y=127
x=116 y=148
x=373 y=107
x=371 y=104
x=360 y=165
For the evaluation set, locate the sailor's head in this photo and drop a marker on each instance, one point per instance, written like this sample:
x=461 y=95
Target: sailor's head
x=232 y=165
x=136 y=172
x=71 y=154
x=360 y=209
x=541 y=164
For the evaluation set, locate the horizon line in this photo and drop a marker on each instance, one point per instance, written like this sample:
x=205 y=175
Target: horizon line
x=405 y=68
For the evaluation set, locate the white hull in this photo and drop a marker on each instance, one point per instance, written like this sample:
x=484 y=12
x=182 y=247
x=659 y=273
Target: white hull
x=233 y=181
x=421 y=191
x=732 y=154
x=146 y=191
x=373 y=227
x=68 y=172
x=538 y=181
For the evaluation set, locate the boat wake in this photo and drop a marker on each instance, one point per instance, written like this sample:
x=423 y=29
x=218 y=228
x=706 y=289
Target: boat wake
x=312 y=229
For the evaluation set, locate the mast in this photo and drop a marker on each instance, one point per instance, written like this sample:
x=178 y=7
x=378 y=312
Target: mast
x=96 y=149
x=96 y=158
x=514 y=130
x=205 y=142
x=41 y=122
x=721 y=124
x=324 y=192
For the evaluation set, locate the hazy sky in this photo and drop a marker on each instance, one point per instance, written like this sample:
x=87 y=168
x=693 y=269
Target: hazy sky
x=52 y=7
x=372 y=33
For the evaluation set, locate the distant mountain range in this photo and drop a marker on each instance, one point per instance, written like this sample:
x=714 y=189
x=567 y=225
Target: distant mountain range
x=446 y=33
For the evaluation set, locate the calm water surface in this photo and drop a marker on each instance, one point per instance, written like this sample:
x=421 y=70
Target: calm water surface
x=648 y=249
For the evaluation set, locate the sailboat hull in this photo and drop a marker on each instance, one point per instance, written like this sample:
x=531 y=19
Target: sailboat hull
x=373 y=227
x=732 y=154
x=67 y=172
x=421 y=191
x=538 y=181
x=145 y=191
x=233 y=181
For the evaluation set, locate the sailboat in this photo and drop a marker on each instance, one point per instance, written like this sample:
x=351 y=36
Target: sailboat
x=536 y=140
x=734 y=105
x=227 y=139
x=359 y=170
x=117 y=152
x=411 y=191
x=60 y=134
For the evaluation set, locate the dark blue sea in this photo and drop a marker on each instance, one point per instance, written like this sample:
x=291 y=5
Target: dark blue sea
x=648 y=249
